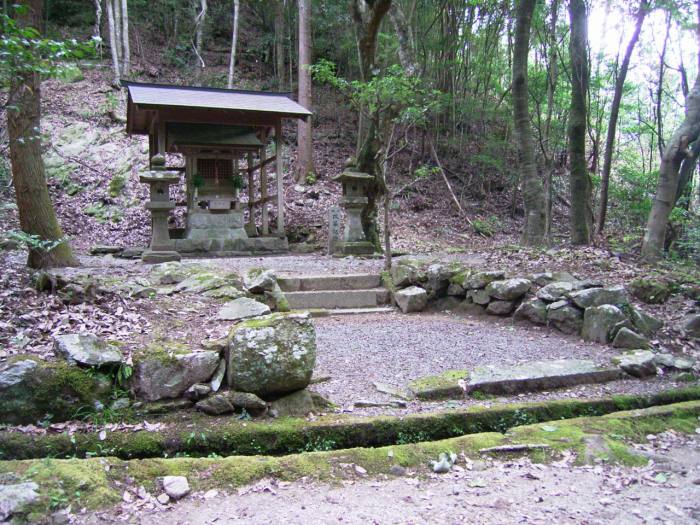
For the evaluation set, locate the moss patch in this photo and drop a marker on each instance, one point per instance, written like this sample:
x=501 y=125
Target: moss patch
x=99 y=482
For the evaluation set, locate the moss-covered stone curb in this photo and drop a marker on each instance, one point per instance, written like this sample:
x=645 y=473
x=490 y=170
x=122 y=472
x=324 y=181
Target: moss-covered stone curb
x=227 y=436
x=442 y=386
x=100 y=482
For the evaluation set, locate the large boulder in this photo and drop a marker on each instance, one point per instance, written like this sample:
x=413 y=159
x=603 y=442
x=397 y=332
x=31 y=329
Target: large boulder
x=626 y=338
x=272 y=355
x=638 y=364
x=534 y=310
x=437 y=280
x=299 y=404
x=508 y=289
x=166 y=372
x=643 y=322
x=14 y=498
x=407 y=272
x=242 y=308
x=31 y=390
x=599 y=321
x=479 y=296
x=500 y=307
x=615 y=295
x=651 y=291
x=87 y=350
x=411 y=299
x=565 y=317
x=555 y=291
x=691 y=326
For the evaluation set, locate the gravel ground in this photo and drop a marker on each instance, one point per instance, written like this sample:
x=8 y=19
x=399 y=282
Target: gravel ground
x=485 y=492
x=394 y=349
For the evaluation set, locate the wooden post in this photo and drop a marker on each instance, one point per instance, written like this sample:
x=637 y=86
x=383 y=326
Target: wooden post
x=251 y=192
x=280 y=182
x=263 y=187
x=236 y=173
x=161 y=137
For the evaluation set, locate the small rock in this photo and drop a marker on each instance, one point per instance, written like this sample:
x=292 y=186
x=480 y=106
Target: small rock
x=176 y=487
x=398 y=471
x=143 y=292
x=197 y=391
x=260 y=281
x=218 y=377
x=672 y=362
x=131 y=253
x=163 y=499
x=120 y=404
x=104 y=250
x=87 y=350
x=411 y=299
x=480 y=297
x=482 y=279
x=565 y=317
x=500 y=307
x=228 y=402
x=300 y=404
x=169 y=278
x=455 y=290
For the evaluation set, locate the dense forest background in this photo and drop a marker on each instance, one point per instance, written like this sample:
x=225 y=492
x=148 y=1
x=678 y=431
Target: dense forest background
x=448 y=148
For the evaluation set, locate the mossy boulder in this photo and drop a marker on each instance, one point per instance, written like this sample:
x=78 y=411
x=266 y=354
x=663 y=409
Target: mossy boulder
x=599 y=321
x=300 y=404
x=166 y=371
x=272 y=355
x=651 y=291
x=32 y=390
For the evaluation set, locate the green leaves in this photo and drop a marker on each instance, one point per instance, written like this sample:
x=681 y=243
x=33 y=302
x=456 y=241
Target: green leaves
x=23 y=52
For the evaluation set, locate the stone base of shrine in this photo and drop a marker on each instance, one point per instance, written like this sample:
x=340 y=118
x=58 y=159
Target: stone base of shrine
x=233 y=246
x=354 y=248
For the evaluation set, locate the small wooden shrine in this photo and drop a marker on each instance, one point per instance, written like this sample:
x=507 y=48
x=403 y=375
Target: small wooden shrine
x=223 y=135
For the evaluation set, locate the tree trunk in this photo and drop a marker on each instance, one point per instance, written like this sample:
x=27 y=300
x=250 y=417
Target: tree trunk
x=580 y=182
x=116 y=7
x=113 y=45
x=533 y=191
x=279 y=45
x=36 y=213
x=234 y=41
x=552 y=77
x=367 y=17
x=126 y=49
x=305 y=161
x=677 y=152
x=406 y=53
x=614 y=113
x=199 y=21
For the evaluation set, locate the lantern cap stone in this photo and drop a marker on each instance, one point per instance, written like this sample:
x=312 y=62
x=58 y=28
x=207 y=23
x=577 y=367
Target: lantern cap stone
x=352 y=176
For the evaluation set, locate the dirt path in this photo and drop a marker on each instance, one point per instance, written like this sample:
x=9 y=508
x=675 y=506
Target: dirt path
x=665 y=491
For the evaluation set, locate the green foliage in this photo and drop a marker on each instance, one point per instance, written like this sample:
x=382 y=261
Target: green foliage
x=63 y=175
x=197 y=180
x=104 y=213
x=237 y=182
x=487 y=227
x=35 y=242
x=117 y=184
x=23 y=51
x=310 y=178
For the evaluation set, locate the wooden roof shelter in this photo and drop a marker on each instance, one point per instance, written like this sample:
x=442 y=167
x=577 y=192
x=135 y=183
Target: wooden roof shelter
x=215 y=123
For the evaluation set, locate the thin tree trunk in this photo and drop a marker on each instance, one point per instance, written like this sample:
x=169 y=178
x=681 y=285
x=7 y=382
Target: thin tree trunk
x=279 y=45
x=113 y=45
x=660 y=88
x=116 y=7
x=552 y=77
x=234 y=41
x=305 y=161
x=581 y=215
x=533 y=191
x=676 y=153
x=97 y=28
x=406 y=53
x=36 y=212
x=614 y=114
x=126 y=49
x=199 y=21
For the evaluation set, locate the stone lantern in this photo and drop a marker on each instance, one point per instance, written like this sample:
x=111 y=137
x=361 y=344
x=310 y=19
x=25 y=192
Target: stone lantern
x=354 y=201
x=162 y=248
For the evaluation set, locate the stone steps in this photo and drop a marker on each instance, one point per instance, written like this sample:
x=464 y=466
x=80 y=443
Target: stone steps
x=325 y=312
x=315 y=283
x=334 y=299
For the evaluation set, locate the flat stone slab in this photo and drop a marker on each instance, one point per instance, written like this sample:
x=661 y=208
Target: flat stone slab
x=447 y=385
x=333 y=299
x=538 y=375
x=314 y=283
x=242 y=308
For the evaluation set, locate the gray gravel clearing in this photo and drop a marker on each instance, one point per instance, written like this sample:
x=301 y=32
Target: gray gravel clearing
x=483 y=492
x=395 y=349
